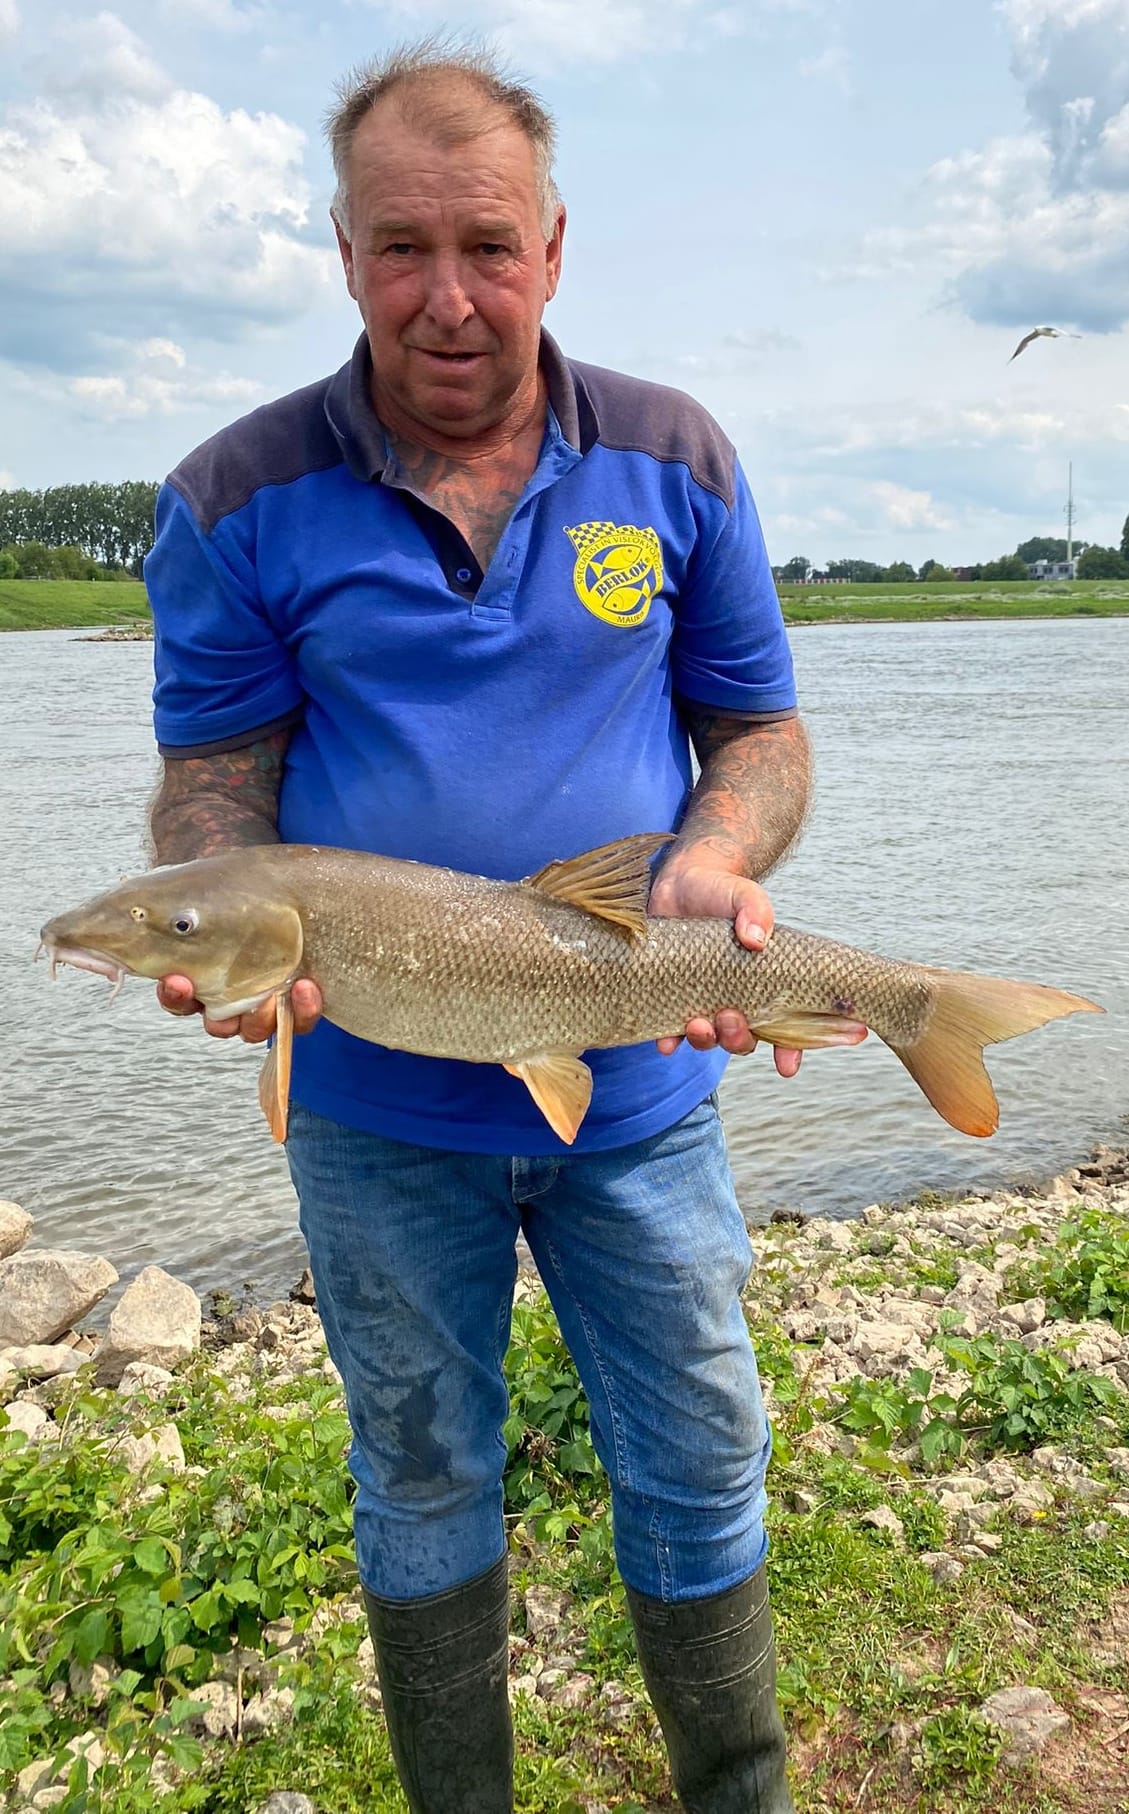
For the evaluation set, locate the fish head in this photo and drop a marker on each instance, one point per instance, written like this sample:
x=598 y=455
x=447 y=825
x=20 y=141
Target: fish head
x=236 y=942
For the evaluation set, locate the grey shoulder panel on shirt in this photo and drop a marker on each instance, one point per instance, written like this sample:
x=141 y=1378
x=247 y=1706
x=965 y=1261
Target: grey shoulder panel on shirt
x=274 y=445
x=634 y=415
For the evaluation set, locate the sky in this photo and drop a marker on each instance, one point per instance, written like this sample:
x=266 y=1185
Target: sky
x=830 y=221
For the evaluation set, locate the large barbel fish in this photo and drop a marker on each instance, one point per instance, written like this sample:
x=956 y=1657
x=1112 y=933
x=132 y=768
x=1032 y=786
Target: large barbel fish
x=529 y=974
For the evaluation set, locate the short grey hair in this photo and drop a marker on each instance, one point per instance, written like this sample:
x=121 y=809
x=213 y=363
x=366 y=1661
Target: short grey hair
x=431 y=73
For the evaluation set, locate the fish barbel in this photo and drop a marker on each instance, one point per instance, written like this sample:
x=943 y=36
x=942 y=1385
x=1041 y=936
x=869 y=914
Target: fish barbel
x=529 y=974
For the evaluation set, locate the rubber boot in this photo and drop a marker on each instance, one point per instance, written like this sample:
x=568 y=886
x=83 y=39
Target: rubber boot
x=443 y=1664
x=710 y=1670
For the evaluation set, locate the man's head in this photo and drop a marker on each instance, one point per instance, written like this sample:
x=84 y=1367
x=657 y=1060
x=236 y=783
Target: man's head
x=450 y=227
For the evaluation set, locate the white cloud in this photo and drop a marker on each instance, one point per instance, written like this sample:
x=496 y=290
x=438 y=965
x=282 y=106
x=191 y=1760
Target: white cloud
x=133 y=207
x=104 y=59
x=550 y=33
x=9 y=21
x=903 y=508
x=832 y=65
x=7 y=481
x=1035 y=227
x=157 y=381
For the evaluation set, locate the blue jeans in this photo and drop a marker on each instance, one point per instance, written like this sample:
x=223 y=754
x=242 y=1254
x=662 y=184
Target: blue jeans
x=644 y=1253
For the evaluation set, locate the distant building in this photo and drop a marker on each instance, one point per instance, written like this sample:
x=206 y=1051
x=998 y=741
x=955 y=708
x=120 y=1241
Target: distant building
x=1051 y=569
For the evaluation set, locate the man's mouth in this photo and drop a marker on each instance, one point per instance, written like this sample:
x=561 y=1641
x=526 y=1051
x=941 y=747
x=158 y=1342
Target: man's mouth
x=448 y=358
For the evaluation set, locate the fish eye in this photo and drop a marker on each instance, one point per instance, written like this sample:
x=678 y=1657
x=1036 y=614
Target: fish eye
x=186 y=922
x=137 y=913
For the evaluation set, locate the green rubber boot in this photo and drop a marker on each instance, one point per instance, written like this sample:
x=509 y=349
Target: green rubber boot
x=710 y=1670
x=443 y=1664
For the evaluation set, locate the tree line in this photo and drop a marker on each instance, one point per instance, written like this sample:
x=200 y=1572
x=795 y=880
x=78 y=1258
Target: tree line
x=109 y=525
x=98 y=531
x=1092 y=561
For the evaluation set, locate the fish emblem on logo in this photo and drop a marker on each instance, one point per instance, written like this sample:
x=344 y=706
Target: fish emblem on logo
x=618 y=570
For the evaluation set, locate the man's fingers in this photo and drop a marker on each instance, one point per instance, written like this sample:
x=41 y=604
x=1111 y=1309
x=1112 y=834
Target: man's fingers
x=787 y=1061
x=177 y=996
x=306 y=1001
x=753 y=923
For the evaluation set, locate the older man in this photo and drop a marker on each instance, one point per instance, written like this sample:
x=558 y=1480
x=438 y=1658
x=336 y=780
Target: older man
x=469 y=602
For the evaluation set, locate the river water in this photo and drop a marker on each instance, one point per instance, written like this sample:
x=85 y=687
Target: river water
x=972 y=809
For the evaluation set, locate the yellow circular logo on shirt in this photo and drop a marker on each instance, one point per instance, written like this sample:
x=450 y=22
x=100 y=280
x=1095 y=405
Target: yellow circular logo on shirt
x=618 y=570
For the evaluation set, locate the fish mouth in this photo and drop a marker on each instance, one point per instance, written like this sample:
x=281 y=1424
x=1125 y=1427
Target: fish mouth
x=80 y=959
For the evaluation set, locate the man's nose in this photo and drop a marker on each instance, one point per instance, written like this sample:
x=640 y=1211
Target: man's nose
x=448 y=303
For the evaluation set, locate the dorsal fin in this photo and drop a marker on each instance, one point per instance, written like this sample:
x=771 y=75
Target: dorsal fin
x=612 y=881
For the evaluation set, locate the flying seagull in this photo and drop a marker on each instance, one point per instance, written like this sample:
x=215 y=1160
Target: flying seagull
x=1037 y=333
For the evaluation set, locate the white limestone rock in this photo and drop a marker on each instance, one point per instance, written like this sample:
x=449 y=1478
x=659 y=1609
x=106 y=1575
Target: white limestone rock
x=157 y=1320
x=45 y=1292
x=41 y=1360
x=31 y=1419
x=1027 y=1718
x=15 y=1226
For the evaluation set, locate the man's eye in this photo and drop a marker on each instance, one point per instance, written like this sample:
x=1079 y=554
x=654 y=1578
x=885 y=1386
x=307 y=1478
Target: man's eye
x=491 y=248
x=401 y=247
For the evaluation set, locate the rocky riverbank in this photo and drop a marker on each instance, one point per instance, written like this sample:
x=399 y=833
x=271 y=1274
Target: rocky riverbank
x=949 y=1383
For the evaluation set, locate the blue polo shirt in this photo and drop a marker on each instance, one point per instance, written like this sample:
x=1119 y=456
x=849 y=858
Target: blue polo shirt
x=487 y=721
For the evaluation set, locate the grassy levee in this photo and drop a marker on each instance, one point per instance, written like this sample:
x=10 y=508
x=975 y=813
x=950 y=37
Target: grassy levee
x=953 y=600
x=71 y=604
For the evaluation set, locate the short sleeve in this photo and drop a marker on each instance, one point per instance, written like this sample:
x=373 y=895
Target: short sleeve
x=730 y=648
x=221 y=670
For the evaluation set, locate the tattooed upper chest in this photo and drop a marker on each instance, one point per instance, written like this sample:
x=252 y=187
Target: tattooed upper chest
x=478 y=497
x=480 y=511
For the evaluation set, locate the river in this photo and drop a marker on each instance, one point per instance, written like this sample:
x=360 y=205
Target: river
x=972 y=809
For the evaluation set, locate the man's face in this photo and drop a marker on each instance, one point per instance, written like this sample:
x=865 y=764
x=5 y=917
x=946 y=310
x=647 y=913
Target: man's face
x=448 y=264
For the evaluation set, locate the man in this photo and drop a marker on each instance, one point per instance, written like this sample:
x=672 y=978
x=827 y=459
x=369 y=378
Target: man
x=467 y=602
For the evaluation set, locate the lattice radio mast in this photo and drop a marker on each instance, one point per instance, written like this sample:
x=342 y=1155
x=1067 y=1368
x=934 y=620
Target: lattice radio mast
x=1070 y=512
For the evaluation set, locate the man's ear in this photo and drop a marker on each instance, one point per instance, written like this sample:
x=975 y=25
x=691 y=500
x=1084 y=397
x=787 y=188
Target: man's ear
x=553 y=257
x=346 y=251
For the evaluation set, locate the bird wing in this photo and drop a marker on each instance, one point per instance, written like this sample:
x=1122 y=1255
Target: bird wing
x=1026 y=341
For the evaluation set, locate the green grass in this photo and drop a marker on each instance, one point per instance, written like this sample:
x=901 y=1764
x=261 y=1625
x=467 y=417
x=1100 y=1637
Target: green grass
x=954 y=599
x=66 y=604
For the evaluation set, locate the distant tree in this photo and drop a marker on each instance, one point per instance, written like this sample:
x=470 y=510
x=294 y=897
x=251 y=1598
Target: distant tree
x=860 y=573
x=1009 y=566
x=1042 y=548
x=1125 y=541
x=33 y=560
x=797 y=569
x=935 y=572
x=9 y=565
x=72 y=563
x=899 y=573
x=1102 y=563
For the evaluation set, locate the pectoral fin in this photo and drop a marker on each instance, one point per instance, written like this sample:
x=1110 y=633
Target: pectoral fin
x=612 y=881
x=274 y=1078
x=560 y=1084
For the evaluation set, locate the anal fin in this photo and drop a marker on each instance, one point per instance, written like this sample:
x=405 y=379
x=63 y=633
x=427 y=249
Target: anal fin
x=807 y=1032
x=560 y=1084
x=274 y=1078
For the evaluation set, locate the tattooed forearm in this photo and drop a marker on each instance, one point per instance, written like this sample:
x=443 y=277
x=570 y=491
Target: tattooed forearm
x=752 y=794
x=205 y=804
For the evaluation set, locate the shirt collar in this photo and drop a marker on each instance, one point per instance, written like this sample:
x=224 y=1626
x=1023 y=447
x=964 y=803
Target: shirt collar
x=360 y=435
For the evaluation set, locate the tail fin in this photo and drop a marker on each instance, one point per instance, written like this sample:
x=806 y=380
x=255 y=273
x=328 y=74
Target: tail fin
x=969 y=1013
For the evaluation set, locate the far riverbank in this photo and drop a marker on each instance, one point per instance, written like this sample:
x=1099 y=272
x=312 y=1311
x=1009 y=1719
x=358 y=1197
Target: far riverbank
x=92 y=605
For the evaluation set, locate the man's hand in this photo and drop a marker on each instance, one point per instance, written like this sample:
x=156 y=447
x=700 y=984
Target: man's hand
x=701 y=892
x=176 y=996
